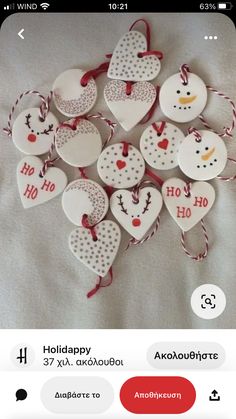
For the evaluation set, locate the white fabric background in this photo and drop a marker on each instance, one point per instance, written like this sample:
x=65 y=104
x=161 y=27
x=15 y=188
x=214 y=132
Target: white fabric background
x=42 y=285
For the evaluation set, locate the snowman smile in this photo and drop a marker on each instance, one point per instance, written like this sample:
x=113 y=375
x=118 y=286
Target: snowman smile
x=208 y=155
x=186 y=100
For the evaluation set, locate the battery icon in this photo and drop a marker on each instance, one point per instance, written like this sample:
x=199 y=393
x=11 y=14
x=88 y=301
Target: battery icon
x=224 y=6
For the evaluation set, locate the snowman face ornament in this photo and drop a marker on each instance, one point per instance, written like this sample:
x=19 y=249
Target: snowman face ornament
x=31 y=135
x=204 y=159
x=183 y=102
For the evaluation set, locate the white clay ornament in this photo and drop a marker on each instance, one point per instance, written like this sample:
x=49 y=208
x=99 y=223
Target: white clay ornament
x=187 y=211
x=119 y=169
x=35 y=190
x=136 y=218
x=183 y=102
x=97 y=255
x=85 y=197
x=202 y=160
x=80 y=145
x=160 y=148
x=130 y=108
x=71 y=98
x=31 y=135
x=126 y=63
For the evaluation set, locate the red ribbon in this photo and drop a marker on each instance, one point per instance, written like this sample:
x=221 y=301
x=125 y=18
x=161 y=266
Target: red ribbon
x=94 y=73
x=73 y=125
x=150 y=113
x=129 y=85
x=159 y=129
x=100 y=285
x=125 y=151
x=159 y=54
x=149 y=173
x=148 y=30
x=86 y=224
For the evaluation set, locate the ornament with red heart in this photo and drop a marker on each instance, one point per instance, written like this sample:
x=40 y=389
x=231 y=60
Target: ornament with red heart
x=159 y=145
x=163 y=144
x=136 y=217
x=35 y=190
x=129 y=108
x=187 y=206
x=128 y=64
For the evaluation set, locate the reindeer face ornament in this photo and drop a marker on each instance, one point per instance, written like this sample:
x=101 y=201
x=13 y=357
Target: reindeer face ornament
x=31 y=135
x=136 y=217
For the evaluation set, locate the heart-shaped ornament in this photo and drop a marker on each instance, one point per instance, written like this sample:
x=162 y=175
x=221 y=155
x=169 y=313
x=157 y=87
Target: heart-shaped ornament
x=126 y=64
x=97 y=255
x=129 y=109
x=70 y=97
x=187 y=211
x=79 y=146
x=35 y=190
x=136 y=218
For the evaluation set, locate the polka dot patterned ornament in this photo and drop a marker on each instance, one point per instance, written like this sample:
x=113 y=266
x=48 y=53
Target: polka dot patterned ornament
x=204 y=159
x=136 y=216
x=129 y=107
x=70 y=96
x=128 y=63
x=79 y=145
x=85 y=197
x=31 y=134
x=159 y=145
x=121 y=165
x=96 y=253
x=183 y=101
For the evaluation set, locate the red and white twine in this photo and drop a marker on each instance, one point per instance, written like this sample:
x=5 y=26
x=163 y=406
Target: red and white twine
x=43 y=109
x=108 y=122
x=135 y=242
x=227 y=131
x=184 y=70
x=228 y=178
x=135 y=198
x=198 y=137
x=200 y=256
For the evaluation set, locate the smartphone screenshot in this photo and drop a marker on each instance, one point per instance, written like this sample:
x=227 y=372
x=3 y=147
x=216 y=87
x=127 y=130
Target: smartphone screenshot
x=118 y=203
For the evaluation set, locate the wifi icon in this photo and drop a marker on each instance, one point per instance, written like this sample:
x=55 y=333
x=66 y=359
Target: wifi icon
x=44 y=5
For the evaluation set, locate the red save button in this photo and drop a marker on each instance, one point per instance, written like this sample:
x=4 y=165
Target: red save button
x=154 y=395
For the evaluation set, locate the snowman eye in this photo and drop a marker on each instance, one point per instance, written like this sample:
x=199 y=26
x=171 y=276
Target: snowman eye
x=206 y=148
x=32 y=130
x=188 y=93
x=197 y=152
x=178 y=91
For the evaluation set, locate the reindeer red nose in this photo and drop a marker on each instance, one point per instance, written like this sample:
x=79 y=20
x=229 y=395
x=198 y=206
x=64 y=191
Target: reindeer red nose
x=32 y=138
x=136 y=222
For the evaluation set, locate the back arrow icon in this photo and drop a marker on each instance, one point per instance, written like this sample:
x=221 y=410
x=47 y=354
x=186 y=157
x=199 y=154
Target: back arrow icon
x=20 y=34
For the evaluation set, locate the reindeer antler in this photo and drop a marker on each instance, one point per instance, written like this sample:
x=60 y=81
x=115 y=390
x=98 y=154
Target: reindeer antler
x=148 y=202
x=27 y=118
x=46 y=131
x=121 y=203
